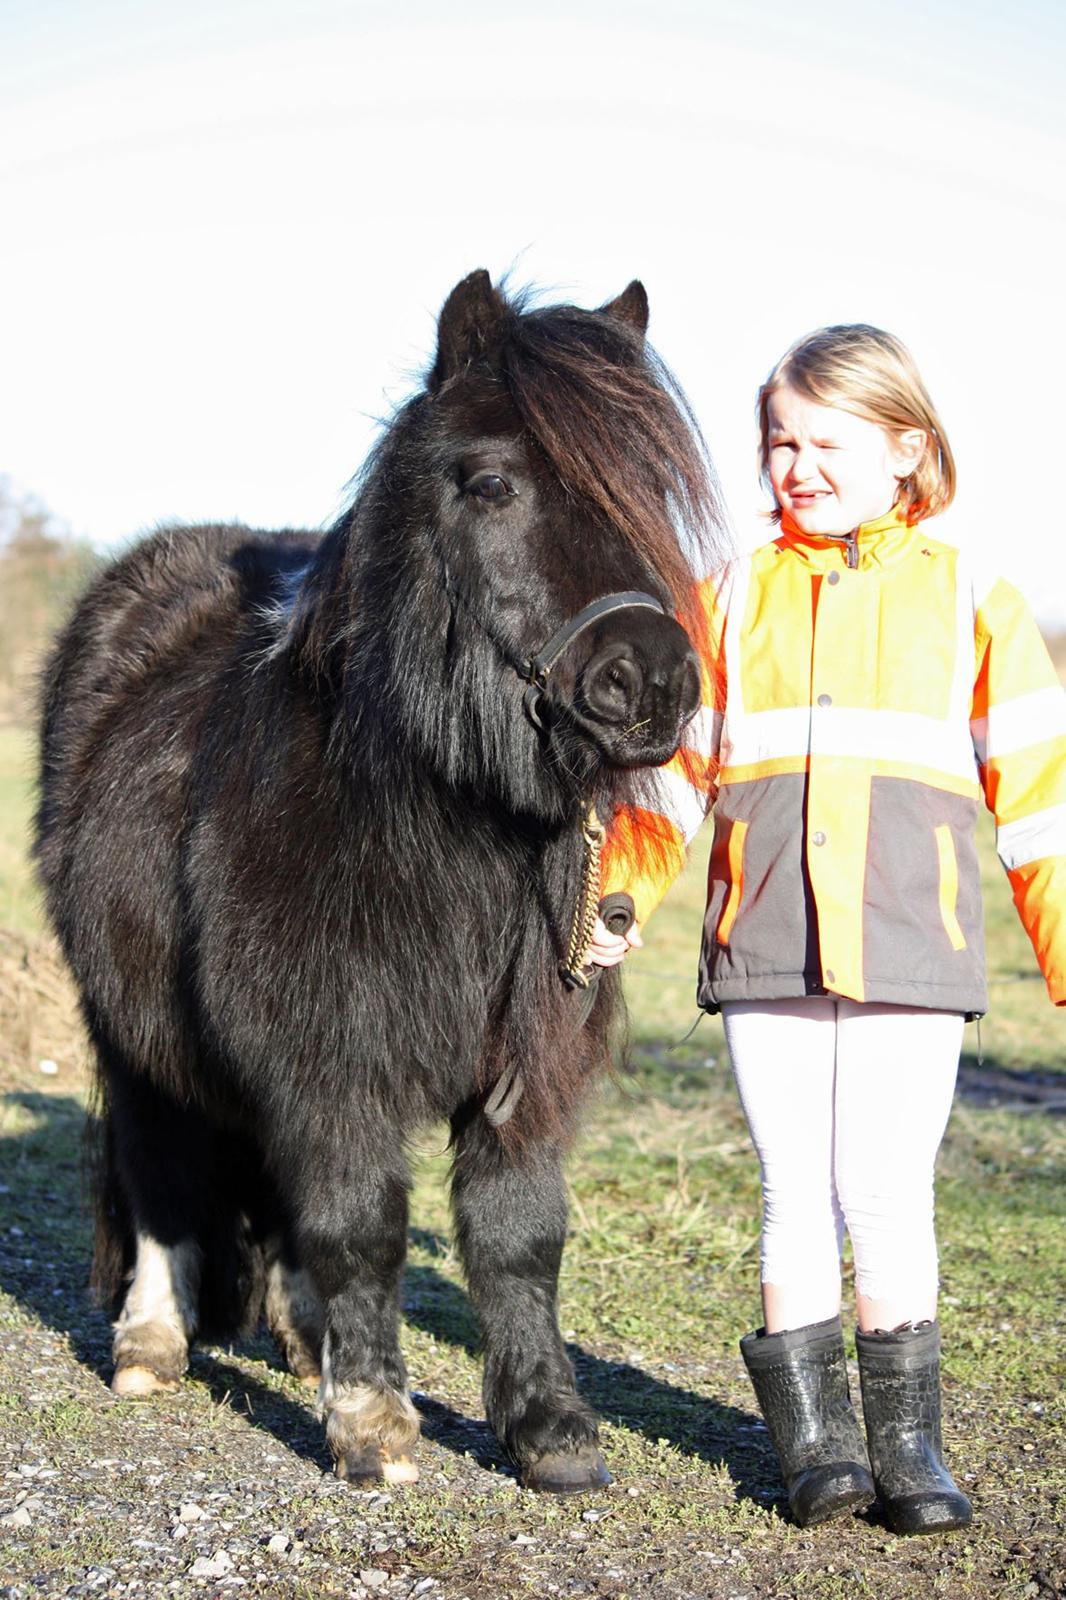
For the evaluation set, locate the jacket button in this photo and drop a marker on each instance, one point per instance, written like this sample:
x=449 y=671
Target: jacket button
x=825 y=700
x=830 y=975
x=834 y=577
x=818 y=838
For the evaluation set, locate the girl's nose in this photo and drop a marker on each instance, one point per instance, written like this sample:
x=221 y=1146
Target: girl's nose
x=803 y=463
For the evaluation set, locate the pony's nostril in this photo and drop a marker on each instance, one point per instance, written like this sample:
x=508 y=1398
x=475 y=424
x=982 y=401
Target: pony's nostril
x=612 y=686
x=689 y=696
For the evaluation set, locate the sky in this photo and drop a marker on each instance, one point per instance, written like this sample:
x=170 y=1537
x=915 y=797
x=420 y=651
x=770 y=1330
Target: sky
x=228 y=228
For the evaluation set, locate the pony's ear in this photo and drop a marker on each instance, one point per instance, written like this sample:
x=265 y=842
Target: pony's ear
x=631 y=307
x=470 y=325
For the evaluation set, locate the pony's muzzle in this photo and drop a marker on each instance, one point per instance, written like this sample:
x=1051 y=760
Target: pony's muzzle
x=638 y=699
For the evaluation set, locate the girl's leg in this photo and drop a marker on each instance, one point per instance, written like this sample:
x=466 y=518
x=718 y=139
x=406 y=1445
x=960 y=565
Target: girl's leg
x=896 y=1069
x=783 y=1056
x=895 y=1078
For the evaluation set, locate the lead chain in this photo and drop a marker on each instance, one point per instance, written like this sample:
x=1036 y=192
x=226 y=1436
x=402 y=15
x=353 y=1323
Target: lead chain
x=587 y=909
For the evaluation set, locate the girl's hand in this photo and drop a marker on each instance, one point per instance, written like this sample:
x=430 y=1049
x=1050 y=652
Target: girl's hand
x=608 y=949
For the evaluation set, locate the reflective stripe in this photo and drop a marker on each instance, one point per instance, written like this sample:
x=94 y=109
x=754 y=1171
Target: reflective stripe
x=946 y=782
x=736 y=881
x=961 y=700
x=949 y=886
x=704 y=733
x=765 y=736
x=684 y=804
x=740 y=582
x=1016 y=724
x=1042 y=833
x=886 y=736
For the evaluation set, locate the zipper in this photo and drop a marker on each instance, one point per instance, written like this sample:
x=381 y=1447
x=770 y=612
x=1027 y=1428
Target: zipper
x=851 y=540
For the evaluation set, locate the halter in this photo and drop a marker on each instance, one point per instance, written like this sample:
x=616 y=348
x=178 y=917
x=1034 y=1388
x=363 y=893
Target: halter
x=536 y=669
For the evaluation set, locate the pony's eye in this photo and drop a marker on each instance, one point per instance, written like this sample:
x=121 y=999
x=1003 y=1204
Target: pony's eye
x=490 y=487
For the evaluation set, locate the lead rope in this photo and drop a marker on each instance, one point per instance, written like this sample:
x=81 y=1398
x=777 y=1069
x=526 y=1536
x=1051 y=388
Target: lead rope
x=572 y=970
x=505 y=1095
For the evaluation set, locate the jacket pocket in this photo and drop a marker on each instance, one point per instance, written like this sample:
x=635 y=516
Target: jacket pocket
x=736 y=882
x=949 y=886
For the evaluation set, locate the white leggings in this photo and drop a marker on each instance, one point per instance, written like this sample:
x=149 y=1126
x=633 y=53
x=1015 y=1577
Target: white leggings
x=847 y=1105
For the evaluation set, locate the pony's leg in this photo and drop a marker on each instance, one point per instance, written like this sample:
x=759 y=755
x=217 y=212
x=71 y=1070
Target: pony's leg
x=159 y=1169
x=351 y=1235
x=510 y=1214
x=293 y=1313
x=158 y=1318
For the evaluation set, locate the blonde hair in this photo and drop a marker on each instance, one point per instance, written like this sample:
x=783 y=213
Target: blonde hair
x=871 y=374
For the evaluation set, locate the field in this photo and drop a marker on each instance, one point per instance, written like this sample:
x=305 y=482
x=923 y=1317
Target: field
x=225 y=1488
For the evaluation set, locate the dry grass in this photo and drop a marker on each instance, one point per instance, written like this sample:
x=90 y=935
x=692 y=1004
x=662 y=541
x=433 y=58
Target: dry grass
x=39 y=1019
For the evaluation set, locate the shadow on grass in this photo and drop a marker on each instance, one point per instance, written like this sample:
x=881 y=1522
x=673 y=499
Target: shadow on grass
x=622 y=1394
x=986 y=1083
x=293 y=1421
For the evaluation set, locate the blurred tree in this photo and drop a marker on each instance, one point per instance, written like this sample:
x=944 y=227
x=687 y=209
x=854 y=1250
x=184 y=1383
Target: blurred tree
x=42 y=568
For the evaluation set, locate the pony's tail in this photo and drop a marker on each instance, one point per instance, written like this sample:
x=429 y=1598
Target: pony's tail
x=113 y=1238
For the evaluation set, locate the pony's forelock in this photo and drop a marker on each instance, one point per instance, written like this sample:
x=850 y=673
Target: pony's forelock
x=616 y=430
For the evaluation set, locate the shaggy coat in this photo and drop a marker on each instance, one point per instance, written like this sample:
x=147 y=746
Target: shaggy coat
x=313 y=867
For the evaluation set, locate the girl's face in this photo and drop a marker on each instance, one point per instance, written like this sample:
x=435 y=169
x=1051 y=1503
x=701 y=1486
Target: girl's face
x=832 y=470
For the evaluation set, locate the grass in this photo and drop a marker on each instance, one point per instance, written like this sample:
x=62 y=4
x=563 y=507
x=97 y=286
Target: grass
x=660 y=1278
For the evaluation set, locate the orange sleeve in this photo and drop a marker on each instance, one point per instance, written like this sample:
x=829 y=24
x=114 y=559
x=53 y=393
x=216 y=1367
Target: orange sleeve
x=1019 y=728
x=647 y=842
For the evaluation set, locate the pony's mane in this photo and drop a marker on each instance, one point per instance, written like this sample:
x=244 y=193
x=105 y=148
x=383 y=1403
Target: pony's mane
x=617 y=431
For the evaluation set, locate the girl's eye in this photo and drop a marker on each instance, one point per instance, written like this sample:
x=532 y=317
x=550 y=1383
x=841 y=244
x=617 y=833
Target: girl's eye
x=489 y=487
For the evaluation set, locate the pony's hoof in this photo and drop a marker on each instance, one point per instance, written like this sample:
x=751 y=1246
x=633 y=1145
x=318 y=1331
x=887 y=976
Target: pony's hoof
x=303 y=1359
x=398 y=1469
x=134 y=1383
x=371 y=1465
x=567 y=1472
x=361 y=1468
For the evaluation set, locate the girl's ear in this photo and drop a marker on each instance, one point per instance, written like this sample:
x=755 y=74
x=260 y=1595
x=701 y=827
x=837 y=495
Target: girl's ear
x=908 y=450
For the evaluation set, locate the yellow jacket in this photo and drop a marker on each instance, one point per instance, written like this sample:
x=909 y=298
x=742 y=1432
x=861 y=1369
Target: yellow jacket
x=860 y=698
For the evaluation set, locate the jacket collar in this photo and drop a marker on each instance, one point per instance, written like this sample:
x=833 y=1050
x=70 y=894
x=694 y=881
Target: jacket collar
x=880 y=543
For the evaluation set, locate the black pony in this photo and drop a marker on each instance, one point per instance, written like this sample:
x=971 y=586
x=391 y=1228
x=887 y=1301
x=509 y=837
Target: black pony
x=311 y=842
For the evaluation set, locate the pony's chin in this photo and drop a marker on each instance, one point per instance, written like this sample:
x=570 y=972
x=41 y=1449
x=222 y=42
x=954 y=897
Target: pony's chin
x=656 y=756
x=621 y=751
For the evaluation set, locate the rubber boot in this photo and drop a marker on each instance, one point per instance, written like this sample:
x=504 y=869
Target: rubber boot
x=900 y=1376
x=801 y=1384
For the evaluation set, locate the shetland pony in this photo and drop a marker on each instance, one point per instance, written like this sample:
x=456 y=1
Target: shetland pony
x=309 y=834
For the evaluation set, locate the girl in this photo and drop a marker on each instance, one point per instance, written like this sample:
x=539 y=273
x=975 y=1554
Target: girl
x=866 y=684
